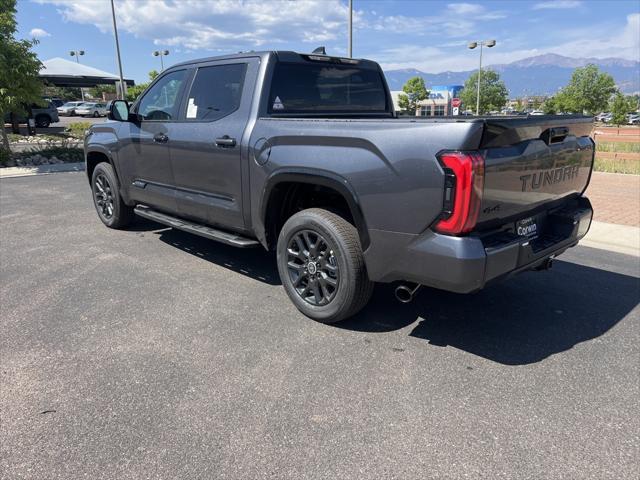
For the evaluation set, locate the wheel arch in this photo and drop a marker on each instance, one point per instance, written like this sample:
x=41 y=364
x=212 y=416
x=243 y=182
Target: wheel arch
x=97 y=155
x=270 y=200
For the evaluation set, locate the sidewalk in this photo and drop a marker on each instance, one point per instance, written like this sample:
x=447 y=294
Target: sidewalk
x=615 y=198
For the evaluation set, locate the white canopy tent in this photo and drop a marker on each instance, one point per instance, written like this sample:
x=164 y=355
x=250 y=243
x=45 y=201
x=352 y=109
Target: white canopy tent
x=66 y=73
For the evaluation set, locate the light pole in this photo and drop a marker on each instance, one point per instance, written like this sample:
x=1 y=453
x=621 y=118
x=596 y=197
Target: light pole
x=350 y=44
x=472 y=45
x=123 y=87
x=161 y=53
x=78 y=54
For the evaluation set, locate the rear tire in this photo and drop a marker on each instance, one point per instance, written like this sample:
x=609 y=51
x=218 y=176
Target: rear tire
x=43 y=121
x=111 y=209
x=96 y=114
x=321 y=265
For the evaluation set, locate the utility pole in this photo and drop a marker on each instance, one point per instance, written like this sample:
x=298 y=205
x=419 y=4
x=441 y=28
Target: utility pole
x=350 y=46
x=115 y=32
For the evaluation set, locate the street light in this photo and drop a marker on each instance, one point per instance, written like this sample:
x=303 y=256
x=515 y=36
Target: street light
x=161 y=53
x=472 y=45
x=78 y=54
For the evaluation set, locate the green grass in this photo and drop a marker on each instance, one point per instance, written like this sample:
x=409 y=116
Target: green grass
x=626 y=147
x=77 y=129
x=617 y=165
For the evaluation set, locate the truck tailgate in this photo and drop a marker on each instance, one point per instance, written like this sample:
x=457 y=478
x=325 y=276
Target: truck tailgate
x=532 y=164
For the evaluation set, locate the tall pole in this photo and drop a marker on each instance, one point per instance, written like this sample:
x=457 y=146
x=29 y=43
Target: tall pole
x=350 y=46
x=161 y=63
x=115 y=31
x=479 y=75
x=76 y=53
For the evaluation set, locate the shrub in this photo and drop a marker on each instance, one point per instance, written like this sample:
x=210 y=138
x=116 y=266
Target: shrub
x=77 y=129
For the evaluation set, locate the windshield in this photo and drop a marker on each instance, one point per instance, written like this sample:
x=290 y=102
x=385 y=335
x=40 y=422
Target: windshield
x=330 y=88
x=72 y=104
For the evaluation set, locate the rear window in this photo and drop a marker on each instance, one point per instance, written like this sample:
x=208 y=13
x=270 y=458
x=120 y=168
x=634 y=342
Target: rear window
x=338 y=89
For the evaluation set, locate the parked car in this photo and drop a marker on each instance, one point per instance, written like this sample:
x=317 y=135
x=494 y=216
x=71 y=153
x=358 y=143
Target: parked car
x=69 y=109
x=91 y=109
x=43 y=115
x=634 y=119
x=601 y=116
x=536 y=112
x=304 y=154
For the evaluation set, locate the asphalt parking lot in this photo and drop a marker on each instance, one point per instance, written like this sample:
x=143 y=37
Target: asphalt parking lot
x=150 y=353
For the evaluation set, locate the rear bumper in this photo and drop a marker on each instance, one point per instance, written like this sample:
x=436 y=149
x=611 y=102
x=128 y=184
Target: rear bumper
x=466 y=264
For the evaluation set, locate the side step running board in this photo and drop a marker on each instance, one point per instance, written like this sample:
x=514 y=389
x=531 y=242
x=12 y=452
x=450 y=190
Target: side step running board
x=232 y=239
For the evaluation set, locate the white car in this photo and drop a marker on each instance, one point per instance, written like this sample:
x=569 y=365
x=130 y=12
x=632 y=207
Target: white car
x=633 y=119
x=537 y=112
x=91 y=109
x=69 y=108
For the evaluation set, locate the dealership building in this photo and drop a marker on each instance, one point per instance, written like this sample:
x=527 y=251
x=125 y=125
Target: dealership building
x=439 y=102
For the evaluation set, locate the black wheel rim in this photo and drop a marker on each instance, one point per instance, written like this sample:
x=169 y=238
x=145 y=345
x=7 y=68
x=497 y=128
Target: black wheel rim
x=313 y=268
x=103 y=195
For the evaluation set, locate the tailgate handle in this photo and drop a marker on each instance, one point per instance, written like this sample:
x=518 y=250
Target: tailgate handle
x=554 y=135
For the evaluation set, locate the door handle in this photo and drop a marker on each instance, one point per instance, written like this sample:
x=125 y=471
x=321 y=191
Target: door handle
x=160 y=138
x=226 y=141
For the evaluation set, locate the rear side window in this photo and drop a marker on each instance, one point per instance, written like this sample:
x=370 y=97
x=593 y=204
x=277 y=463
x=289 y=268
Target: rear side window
x=304 y=88
x=216 y=91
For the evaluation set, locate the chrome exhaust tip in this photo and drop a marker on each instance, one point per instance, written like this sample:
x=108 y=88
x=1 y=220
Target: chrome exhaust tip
x=405 y=294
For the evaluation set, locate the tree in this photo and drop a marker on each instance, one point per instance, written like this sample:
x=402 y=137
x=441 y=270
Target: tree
x=19 y=81
x=493 y=92
x=550 y=106
x=97 y=91
x=414 y=92
x=588 y=92
x=134 y=92
x=620 y=107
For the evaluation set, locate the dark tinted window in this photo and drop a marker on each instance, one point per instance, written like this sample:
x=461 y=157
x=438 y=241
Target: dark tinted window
x=216 y=91
x=334 y=88
x=161 y=102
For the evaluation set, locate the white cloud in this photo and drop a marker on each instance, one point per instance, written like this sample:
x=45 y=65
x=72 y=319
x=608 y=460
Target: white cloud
x=453 y=56
x=39 y=33
x=224 y=25
x=465 y=8
x=557 y=4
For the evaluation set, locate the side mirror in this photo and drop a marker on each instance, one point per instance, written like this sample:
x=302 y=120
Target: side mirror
x=119 y=111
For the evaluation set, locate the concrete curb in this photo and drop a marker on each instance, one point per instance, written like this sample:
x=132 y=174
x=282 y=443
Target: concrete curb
x=11 y=172
x=614 y=238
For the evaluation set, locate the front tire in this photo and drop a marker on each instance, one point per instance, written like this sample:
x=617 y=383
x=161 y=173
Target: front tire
x=112 y=210
x=321 y=265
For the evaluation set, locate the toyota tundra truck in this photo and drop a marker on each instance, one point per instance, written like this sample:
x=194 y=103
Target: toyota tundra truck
x=304 y=154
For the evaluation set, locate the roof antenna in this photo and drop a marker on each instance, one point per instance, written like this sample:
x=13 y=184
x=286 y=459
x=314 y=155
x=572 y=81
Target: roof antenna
x=320 y=51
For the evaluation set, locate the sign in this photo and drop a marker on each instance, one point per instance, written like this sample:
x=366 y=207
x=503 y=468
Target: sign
x=455 y=102
x=456 y=111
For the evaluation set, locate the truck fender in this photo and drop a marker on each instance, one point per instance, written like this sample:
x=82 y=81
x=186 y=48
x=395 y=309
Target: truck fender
x=313 y=177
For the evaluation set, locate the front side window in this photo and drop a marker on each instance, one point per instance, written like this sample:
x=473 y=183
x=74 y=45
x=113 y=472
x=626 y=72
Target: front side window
x=325 y=89
x=216 y=91
x=161 y=102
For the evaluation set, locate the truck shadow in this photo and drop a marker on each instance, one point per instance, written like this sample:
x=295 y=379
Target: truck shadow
x=521 y=321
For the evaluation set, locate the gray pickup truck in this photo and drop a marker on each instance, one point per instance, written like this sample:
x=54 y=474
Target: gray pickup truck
x=304 y=154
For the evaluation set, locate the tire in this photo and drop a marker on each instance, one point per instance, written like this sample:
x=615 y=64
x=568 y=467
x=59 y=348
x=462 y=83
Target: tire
x=112 y=211
x=96 y=114
x=43 y=121
x=317 y=249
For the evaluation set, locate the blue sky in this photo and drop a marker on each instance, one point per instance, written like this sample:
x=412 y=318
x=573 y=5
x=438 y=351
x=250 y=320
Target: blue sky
x=426 y=34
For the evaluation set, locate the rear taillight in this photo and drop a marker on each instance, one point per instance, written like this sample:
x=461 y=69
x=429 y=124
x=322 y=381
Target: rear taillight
x=464 y=183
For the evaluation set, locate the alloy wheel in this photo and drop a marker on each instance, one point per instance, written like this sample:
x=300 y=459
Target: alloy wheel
x=313 y=267
x=103 y=195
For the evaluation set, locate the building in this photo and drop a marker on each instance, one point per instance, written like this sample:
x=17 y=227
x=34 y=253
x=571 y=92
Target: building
x=439 y=102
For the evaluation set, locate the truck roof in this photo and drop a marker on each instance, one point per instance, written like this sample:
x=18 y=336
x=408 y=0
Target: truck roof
x=283 y=55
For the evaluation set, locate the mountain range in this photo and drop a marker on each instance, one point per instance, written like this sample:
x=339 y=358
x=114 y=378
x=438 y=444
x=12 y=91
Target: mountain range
x=539 y=75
